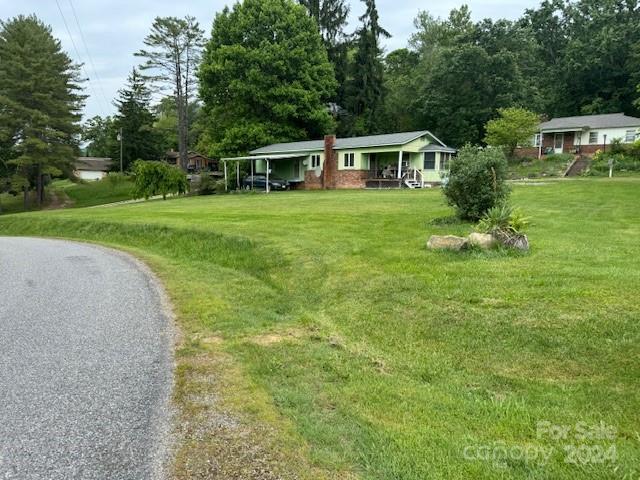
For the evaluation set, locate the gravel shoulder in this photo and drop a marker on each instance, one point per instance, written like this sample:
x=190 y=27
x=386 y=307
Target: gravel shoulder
x=86 y=365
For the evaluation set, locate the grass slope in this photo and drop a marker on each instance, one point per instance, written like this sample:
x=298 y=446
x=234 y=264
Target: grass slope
x=87 y=194
x=321 y=339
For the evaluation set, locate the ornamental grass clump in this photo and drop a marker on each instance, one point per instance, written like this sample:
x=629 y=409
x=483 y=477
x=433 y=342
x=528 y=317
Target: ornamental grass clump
x=506 y=224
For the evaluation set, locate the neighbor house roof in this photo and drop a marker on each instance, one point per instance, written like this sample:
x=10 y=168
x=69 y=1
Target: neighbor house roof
x=390 y=139
x=93 y=164
x=610 y=120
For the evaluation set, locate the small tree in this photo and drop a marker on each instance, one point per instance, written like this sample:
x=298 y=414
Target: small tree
x=515 y=126
x=158 y=178
x=476 y=181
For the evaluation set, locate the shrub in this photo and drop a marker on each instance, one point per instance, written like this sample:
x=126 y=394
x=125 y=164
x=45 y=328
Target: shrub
x=476 y=181
x=207 y=185
x=158 y=178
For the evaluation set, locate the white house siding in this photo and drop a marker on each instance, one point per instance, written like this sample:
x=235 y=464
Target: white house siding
x=90 y=176
x=611 y=133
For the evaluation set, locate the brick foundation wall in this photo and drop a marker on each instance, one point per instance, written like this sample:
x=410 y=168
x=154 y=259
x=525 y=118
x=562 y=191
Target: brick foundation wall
x=351 y=178
x=312 y=181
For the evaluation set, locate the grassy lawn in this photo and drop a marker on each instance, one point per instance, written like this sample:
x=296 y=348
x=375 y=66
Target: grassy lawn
x=87 y=194
x=320 y=339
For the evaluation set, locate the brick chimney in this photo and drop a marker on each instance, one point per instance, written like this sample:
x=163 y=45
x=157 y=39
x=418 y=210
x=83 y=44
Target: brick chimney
x=330 y=163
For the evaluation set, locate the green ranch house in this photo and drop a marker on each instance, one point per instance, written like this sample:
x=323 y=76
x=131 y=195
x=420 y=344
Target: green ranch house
x=409 y=159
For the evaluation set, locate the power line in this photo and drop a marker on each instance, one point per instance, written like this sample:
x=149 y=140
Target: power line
x=66 y=26
x=86 y=49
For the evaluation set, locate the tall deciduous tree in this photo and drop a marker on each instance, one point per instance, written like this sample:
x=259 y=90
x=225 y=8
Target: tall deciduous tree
x=514 y=126
x=40 y=101
x=173 y=52
x=366 y=90
x=140 y=140
x=100 y=133
x=265 y=77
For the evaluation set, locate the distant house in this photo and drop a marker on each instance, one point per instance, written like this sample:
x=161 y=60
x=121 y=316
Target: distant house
x=408 y=159
x=197 y=162
x=583 y=134
x=92 y=168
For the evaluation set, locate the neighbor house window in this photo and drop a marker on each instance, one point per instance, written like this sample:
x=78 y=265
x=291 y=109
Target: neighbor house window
x=430 y=160
x=349 y=159
x=536 y=140
x=630 y=136
x=315 y=161
x=593 y=137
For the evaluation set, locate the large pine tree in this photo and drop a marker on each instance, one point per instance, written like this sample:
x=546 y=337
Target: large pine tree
x=40 y=102
x=140 y=140
x=365 y=92
x=331 y=17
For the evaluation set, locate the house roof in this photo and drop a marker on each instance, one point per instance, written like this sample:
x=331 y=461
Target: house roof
x=610 y=120
x=432 y=147
x=93 y=164
x=389 y=139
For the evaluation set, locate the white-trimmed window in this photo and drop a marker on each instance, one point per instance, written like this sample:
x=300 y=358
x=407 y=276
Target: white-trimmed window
x=349 y=160
x=630 y=136
x=536 y=139
x=429 y=160
x=593 y=138
x=315 y=161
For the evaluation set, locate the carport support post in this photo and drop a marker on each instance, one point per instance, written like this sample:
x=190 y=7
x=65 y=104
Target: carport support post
x=251 y=162
x=238 y=175
x=268 y=167
x=226 y=185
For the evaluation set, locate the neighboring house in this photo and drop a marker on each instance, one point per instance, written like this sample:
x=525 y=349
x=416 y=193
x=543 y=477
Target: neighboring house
x=582 y=134
x=92 y=168
x=412 y=159
x=196 y=161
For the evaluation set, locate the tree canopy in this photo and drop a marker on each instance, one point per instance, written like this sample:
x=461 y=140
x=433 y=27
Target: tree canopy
x=265 y=77
x=40 y=101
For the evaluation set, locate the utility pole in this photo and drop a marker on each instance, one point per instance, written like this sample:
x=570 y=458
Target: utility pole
x=120 y=140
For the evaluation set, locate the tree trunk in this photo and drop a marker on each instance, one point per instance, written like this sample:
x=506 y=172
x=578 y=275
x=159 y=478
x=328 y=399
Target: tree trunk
x=182 y=144
x=26 y=199
x=39 y=188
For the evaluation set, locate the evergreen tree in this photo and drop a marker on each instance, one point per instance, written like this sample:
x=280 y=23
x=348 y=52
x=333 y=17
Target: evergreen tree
x=265 y=78
x=39 y=104
x=174 y=52
x=331 y=17
x=365 y=92
x=135 y=119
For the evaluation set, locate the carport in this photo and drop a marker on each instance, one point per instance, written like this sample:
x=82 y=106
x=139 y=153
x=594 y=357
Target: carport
x=252 y=158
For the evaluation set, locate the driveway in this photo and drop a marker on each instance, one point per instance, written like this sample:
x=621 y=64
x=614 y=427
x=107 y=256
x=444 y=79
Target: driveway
x=85 y=364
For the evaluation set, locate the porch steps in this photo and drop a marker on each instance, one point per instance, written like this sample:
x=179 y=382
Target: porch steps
x=413 y=183
x=580 y=164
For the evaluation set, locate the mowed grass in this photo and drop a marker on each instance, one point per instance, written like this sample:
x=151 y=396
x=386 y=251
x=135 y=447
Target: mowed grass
x=90 y=193
x=347 y=350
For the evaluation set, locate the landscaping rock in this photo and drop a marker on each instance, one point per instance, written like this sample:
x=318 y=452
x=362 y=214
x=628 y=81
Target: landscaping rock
x=447 y=242
x=484 y=241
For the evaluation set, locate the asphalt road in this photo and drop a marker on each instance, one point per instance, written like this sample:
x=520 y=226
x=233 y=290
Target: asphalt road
x=85 y=364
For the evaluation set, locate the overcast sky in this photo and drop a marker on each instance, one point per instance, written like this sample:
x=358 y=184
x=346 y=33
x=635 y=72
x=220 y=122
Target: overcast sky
x=114 y=29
